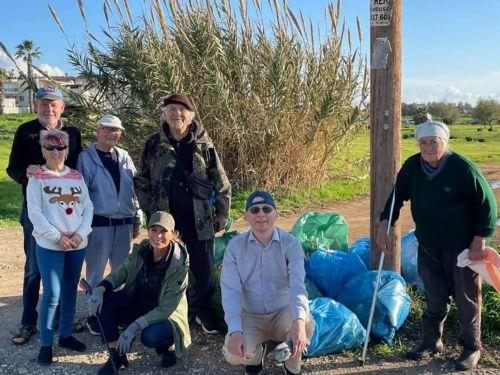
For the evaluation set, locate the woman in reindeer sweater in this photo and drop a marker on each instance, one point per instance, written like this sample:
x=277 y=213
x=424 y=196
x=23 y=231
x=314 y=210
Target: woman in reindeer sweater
x=61 y=212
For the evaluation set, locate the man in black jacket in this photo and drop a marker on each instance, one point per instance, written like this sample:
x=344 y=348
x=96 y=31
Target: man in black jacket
x=25 y=157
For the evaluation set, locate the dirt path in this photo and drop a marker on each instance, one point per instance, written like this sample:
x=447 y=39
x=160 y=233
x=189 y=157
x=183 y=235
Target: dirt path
x=204 y=357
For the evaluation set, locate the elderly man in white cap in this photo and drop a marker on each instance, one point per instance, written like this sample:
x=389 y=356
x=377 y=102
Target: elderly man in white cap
x=453 y=208
x=108 y=172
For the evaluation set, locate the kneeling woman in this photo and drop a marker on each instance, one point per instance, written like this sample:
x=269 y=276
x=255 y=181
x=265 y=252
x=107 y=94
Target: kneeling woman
x=153 y=299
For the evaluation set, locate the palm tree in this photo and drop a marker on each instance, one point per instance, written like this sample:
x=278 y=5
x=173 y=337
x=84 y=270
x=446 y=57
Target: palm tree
x=28 y=51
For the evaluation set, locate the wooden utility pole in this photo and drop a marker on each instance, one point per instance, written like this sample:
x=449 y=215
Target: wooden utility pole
x=385 y=118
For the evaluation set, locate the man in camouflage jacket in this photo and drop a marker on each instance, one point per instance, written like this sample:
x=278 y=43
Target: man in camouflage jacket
x=179 y=152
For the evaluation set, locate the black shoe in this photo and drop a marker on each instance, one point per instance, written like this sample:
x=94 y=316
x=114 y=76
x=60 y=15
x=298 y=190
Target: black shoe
x=114 y=362
x=207 y=324
x=288 y=372
x=256 y=369
x=24 y=335
x=44 y=356
x=93 y=326
x=71 y=343
x=425 y=349
x=168 y=359
x=468 y=360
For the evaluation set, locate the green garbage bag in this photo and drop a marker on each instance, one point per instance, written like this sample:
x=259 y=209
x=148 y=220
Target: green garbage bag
x=323 y=230
x=216 y=302
x=220 y=245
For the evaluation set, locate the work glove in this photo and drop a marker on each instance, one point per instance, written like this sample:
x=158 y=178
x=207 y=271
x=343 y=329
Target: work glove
x=95 y=301
x=126 y=338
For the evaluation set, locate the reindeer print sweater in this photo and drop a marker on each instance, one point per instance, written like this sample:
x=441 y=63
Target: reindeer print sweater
x=58 y=204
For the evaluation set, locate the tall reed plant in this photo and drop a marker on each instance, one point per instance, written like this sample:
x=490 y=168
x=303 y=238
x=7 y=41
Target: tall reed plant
x=279 y=99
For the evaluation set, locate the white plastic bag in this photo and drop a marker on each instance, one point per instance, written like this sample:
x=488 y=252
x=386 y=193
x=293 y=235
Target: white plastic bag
x=488 y=268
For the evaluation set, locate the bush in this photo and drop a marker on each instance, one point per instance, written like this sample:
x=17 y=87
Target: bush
x=278 y=103
x=468 y=139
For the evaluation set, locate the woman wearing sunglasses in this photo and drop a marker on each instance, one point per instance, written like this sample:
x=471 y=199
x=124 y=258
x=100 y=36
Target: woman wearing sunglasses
x=61 y=212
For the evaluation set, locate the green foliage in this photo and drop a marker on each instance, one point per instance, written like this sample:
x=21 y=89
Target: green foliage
x=278 y=103
x=487 y=111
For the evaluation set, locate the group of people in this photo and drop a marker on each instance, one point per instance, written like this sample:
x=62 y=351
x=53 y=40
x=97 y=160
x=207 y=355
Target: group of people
x=86 y=205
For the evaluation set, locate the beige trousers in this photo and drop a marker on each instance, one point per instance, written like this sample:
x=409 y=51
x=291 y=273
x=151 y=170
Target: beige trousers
x=259 y=328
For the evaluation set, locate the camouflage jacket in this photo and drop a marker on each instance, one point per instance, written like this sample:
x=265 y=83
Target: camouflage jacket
x=156 y=167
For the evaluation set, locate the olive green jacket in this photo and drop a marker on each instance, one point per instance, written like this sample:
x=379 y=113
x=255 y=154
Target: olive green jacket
x=156 y=167
x=172 y=302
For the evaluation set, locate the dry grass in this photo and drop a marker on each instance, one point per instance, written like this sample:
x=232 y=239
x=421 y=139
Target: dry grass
x=279 y=100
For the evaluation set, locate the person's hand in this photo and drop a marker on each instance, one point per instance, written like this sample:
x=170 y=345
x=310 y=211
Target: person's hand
x=95 y=300
x=126 y=338
x=476 y=249
x=32 y=168
x=65 y=243
x=298 y=336
x=382 y=239
x=76 y=240
x=136 y=231
x=236 y=344
x=219 y=223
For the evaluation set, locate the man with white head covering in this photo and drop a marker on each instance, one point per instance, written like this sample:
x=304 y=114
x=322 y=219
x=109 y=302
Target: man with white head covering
x=453 y=208
x=108 y=171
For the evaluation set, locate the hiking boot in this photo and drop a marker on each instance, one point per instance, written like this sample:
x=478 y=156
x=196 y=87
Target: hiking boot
x=468 y=360
x=44 y=356
x=72 y=344
x=115 y=361
x=24 y=335
x=207 y=323
x=425 y=349
x=168 y=359
x=93 y=326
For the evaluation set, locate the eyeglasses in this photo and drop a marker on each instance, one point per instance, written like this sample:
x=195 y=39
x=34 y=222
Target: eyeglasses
x=256 y=209
x=108 y=129
x=53 y=147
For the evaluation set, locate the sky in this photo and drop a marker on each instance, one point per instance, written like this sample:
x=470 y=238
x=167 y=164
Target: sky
x=450 y=48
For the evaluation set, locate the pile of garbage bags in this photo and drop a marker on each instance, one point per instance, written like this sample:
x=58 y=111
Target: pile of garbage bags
x=339 y=285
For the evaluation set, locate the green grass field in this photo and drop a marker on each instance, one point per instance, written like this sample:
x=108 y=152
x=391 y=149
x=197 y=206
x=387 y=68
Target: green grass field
x=348 y=175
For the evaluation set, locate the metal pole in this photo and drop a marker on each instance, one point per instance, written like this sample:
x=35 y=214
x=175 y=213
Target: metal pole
x=377 y=284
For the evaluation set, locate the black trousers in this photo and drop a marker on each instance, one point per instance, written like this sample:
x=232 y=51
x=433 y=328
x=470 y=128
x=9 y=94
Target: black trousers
x=442 y=280
x=202 y=269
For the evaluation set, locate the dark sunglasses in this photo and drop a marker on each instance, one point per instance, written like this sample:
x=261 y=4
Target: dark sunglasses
x=53 y=147
x=256 y=209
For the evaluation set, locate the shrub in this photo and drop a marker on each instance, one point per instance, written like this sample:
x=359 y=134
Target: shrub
x=278 y=103
x=468 y=139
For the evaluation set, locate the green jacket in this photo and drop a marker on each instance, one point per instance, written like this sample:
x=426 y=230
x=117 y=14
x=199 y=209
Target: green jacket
x=172 y=302
x=156 y=167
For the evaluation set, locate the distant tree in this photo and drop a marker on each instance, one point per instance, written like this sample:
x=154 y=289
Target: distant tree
x=3 y=76
x=27 y=51
x=420 y=114
x=408 y=109
x=446 y=112
x=486 y=112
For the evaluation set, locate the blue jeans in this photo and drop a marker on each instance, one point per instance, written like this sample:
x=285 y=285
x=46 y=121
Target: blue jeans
x=31 y=283
x=60 y=271
x=121 y=309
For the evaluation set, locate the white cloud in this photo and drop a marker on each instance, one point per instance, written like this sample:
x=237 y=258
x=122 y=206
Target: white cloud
x=51 y=70
x=452 y=89
x=8 y=65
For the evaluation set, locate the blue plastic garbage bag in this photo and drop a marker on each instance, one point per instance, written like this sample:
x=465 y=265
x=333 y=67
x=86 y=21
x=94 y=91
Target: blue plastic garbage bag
x=392 y=305
x=337 y=328
x=312 y=291
x=321 y=230
x=361 y=247
x=409 y=260
x=331 y=269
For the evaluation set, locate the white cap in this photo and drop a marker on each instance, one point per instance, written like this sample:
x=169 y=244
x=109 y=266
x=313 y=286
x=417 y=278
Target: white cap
x=432 y=129
x=110 y=121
